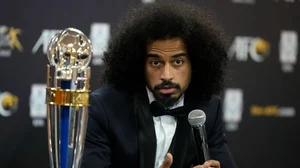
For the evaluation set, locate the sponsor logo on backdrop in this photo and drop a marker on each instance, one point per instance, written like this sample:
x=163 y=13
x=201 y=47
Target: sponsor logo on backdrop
x=244 y=1
x=233 y=108
x=99 y=36
x=288 y=50
x=288 y=1
x=9 y=40
x=148 y=1
x=37 y=105
x=255 y=48
x=8 y=104
x=44 y=40
x=272 y=111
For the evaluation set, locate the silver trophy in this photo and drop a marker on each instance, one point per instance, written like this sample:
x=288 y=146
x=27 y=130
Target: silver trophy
x=67 y=98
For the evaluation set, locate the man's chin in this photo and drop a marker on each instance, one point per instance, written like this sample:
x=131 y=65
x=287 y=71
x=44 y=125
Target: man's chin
x=167 y=100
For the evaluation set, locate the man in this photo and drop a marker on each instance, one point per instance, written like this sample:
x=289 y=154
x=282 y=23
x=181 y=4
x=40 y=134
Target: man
x=165 y=60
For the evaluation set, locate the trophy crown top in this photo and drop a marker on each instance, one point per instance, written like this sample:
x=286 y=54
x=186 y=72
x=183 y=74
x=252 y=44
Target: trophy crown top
x=68 y=49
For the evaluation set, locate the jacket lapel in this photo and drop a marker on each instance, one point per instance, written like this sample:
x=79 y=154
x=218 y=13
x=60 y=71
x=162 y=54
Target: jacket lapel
x=146 y=130
x=183 y=146
x=180 y=143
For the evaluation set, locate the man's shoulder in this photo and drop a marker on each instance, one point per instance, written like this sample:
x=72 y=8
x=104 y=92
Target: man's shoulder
x=213 y=101
x=111 y=102
x=211 y=107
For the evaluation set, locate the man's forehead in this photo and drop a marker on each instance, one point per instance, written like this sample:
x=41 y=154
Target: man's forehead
x=180 y=54
x=169 y=45
x=167 y=42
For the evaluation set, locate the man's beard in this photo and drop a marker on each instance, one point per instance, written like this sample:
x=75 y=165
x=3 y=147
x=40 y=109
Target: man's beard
x=166 y=99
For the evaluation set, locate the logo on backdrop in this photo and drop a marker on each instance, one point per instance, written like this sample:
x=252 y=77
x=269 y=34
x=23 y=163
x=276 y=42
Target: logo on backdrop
x=233 y=108
x=248 y=2
x=244 y=47
x=272 y=111
x=9 y=40
x=8 y=104
x=288 y=50
x=288 y=1
x=99 y=36
x=37 y=105
x=44 y=40
x=148 y=1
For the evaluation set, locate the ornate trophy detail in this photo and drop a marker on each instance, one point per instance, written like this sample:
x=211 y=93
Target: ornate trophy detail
x=68 y=77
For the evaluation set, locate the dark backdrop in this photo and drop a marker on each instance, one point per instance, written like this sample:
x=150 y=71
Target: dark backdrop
x=260 y=101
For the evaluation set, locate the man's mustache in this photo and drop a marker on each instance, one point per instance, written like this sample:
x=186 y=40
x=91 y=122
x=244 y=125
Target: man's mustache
x=167 y=84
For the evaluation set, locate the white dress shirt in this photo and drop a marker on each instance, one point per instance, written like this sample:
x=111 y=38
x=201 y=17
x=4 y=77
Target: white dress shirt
x=165 y=127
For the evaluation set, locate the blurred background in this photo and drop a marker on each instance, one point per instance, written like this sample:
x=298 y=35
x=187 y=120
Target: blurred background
x=260 y=101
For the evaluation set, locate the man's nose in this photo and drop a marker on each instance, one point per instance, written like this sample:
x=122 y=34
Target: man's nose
x=167 y=73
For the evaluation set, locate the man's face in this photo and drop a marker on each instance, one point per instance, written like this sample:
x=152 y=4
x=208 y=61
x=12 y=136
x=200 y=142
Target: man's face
x=168 y=70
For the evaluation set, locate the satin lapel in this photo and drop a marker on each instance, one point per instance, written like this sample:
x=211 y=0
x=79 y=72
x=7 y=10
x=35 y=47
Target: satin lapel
x=180 y=142
x=146 y=130
x=183 y=147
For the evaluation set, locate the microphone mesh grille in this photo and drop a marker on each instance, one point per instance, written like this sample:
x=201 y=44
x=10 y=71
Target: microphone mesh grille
x=197 y=117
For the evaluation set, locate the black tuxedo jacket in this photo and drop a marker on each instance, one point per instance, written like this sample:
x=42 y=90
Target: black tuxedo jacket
x=121 y=133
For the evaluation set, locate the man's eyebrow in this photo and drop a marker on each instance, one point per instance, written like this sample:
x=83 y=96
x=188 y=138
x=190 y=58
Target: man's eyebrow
x=179 y=55
x=152 y=55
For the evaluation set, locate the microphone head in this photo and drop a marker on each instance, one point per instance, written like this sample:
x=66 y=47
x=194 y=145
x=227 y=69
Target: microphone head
x=197 y=117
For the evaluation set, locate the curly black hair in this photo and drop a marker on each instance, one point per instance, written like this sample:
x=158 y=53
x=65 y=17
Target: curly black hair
x=205 y=40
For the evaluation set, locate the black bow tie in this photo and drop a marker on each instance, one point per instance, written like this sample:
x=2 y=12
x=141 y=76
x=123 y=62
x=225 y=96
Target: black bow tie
x=159 y=110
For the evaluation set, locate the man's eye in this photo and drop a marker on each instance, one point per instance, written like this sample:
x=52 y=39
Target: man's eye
x=178 y=62
x=155 y=63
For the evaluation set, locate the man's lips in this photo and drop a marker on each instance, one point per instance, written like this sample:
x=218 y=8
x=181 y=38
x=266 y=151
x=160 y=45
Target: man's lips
x=167 y=90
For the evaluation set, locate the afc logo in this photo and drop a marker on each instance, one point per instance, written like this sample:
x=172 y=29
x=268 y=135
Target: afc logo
x=243 y=47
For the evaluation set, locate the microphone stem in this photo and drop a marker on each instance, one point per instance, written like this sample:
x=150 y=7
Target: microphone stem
x=201 y=143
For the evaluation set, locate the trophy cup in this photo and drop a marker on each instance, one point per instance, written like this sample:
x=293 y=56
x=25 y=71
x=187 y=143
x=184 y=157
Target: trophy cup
x=67 y=97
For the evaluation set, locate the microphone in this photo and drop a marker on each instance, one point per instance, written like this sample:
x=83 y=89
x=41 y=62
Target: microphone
x=197 y=119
